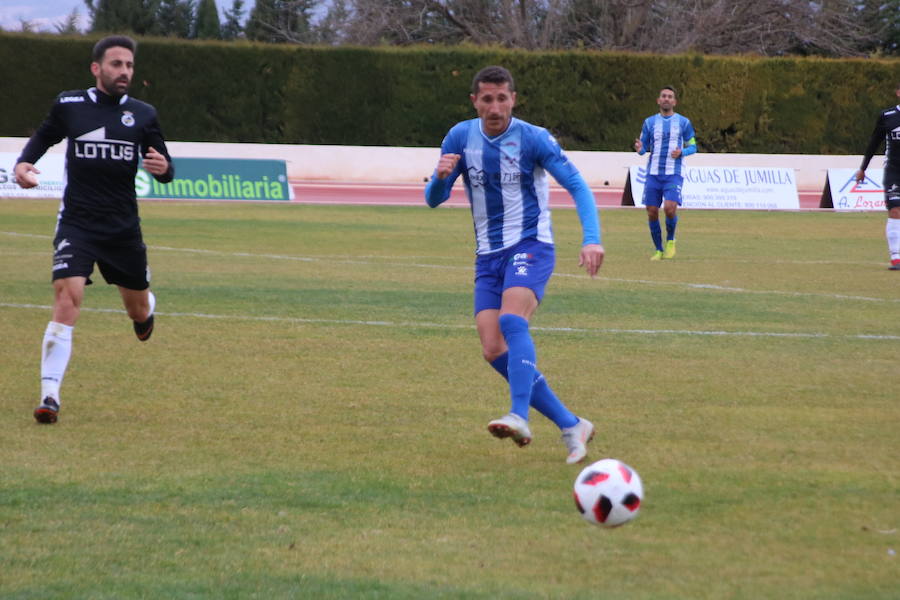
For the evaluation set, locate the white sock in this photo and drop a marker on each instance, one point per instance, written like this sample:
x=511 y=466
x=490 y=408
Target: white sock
x=56 y=350
x=892 y=232
x=152 y=299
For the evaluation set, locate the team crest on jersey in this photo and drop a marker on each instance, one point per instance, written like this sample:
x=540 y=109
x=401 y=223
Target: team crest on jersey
x=127 y=118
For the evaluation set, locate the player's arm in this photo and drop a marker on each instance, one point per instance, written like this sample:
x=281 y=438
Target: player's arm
x=50 y=132
x=878 y=135
x=445 y=173
x=644 y=142
x=568 y=176
x=154 y=154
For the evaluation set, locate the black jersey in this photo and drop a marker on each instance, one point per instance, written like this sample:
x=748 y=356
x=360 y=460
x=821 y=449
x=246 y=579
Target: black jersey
x=106 y=137
x=887 y=128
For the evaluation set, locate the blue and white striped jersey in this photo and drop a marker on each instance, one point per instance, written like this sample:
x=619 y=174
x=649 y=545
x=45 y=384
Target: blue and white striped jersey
x=507 y=184
x=660 y=135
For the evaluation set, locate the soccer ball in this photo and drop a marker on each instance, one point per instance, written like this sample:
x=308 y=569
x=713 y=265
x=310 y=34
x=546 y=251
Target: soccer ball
x=608 y=493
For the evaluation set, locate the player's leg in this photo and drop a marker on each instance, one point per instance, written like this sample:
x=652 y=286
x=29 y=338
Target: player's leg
x=653 y=200
x=489 y=271
x=519 y=304
x=671 y=202
x=124 y=264
x=139 y=304
x=892 y=229
x=543 y=398
x=56 y=349
x=512 y=321
x=73 y=262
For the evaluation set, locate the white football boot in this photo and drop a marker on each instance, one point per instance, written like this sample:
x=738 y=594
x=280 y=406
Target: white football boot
x=576 y=438
x=511 y=425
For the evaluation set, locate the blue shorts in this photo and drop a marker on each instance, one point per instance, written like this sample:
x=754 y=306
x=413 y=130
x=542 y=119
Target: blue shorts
x=528 y=264
x=662 y=187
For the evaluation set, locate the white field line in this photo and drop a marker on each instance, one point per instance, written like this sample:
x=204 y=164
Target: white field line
x=685 y=284
x=429 y=325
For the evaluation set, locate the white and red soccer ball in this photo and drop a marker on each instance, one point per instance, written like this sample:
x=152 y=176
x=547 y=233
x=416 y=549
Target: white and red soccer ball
x=608 y=493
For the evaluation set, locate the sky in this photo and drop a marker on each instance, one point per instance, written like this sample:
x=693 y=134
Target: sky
x=44 y=14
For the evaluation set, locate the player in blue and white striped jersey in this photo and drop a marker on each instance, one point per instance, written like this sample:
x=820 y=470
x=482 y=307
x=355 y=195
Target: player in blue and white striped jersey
x=668 y=137
x=504 y=163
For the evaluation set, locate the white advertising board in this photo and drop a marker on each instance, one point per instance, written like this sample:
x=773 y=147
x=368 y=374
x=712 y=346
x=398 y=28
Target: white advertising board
x=51 y=179
x=743 y=188
x=847 y=194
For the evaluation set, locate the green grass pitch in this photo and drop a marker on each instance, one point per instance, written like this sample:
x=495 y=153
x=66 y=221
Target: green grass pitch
x=309 y=418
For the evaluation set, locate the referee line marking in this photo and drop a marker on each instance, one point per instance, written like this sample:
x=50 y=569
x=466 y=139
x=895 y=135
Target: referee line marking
x=686 y=284
x=430 y=325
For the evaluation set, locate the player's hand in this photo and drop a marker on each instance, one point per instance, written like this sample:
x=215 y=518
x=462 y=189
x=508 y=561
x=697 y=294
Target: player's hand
x=446 y=165
x=676 y=153
x=860 y=175
x=638 y=145
x=25 y=175
x=155 y=162
x=591 y=258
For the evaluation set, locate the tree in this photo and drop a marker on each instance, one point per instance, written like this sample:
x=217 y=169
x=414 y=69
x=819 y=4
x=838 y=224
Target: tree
x=207 y=26
x=765 y=27
x=175 y=18
x=232 y=28
x=136 y=16
x=70 y=25
x=280 y=21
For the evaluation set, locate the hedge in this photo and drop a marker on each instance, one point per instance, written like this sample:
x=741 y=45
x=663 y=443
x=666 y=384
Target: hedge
x=281 y=94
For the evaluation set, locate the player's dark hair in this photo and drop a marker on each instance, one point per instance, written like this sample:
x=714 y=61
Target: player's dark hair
x=670 y=88
x=493 y=74
x=112 y=41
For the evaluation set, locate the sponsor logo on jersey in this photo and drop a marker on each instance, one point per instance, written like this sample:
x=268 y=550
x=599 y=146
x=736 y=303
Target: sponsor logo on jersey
x=66 y=99
x=94 y=145
x=127 y=118
x=478 y=178
x=895 y=133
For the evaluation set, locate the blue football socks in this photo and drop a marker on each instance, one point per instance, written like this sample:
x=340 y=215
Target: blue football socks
x=542 y=397
x=656 y=234
x=521 y=362
x=670 y=227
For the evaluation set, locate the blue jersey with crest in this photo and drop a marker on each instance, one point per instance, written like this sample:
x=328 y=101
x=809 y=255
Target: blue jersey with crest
x=507 y=184
x=660 y=136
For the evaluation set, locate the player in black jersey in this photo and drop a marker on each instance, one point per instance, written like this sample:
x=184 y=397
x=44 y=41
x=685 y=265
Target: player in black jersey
x=98 y=222
x=887 y=128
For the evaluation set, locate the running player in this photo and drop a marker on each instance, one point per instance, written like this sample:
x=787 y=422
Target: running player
x=503 y=161
x=887 y=128
x=98 y=219
x=668 y=137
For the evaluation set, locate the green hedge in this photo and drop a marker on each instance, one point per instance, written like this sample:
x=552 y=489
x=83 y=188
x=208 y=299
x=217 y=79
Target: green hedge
x=241 y=92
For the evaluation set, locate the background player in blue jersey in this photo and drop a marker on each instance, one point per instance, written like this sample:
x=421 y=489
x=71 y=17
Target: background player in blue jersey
x=668 y=137
x=98 y=218
x=887 y=130
x=504 y=164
